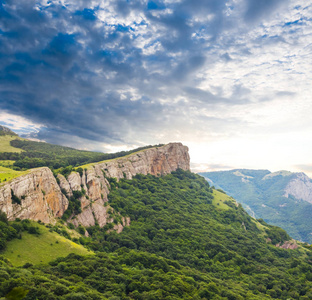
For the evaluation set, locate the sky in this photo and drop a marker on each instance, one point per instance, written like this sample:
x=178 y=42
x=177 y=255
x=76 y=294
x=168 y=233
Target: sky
x=231 y=79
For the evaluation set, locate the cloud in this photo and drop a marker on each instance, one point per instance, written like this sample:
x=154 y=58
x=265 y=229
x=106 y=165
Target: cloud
x=18 y=124
x=145 y=72
x=206 y=167
x=304 y=168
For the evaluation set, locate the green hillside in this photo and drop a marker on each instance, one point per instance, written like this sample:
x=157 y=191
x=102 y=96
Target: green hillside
x=6 y=131
x=41 y=248
x=180 y=245
x=186 y=241
x=28 y=154
x=219 y=199
x=27 y=241
x=5 y=144
x=262 y=195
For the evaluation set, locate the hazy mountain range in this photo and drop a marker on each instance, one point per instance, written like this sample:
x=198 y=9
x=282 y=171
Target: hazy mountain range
x=282 y=198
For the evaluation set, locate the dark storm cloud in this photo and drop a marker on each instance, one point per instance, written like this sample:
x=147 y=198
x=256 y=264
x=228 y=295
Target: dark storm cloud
x=87 y=71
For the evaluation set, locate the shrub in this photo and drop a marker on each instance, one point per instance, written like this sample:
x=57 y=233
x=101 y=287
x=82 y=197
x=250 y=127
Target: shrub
x=15 y=199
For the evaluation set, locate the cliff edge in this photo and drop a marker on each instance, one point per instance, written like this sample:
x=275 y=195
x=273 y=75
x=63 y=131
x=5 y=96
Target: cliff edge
x=38 y=195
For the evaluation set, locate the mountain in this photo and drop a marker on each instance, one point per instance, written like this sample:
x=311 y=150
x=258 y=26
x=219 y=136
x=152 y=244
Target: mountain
x=281 y=198
x=186 y=240
x=80 y=195
x=26 y=154
x=153 y=229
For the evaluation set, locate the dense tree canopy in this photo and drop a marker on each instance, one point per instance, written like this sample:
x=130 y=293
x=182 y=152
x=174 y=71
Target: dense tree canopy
x=183 y=243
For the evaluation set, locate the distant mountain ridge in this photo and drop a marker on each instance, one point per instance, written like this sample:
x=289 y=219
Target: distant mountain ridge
x=281 y=198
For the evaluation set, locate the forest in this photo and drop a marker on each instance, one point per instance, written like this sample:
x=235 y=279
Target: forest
x=181 y=244
x=40 y=154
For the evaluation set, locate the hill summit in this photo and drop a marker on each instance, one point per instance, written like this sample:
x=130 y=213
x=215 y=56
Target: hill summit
x=6 y=131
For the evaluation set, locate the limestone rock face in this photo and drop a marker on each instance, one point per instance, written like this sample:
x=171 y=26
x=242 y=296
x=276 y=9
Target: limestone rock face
x=300 y=187
x=64 y=185
x=74 y=181
x=40 y=196
x=155 y=161
x=44 y=200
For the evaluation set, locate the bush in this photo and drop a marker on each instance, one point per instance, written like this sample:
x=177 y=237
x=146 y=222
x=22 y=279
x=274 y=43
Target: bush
x=15 y=199
x=33 y=230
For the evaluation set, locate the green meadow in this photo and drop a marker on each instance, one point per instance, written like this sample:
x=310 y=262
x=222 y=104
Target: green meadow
x=42 y=248
x=7 y=174
x=5 y=144
x=219 y=198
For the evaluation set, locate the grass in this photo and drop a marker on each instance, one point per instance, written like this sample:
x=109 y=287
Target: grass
x=7 y=163
x=42 y=248
x=219 y=198
x=261 y=227
x=7 y=174
x=5 y=144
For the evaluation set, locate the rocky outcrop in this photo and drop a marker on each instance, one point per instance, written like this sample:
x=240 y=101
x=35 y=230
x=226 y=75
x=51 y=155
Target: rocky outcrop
x=300 y=187
x=288 y=245
x=35 y=195
x=156 y=161
x=43 y=197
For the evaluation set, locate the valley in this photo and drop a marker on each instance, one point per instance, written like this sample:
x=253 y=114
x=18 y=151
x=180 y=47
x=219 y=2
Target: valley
x=280 y=198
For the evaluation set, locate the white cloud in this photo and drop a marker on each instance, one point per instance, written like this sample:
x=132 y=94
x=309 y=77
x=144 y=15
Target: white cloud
x=19 y=124
x=237 y=93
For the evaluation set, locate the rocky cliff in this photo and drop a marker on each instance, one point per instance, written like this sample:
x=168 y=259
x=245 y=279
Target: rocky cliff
x=35 y=195
x=39 y=196
x=300 y=187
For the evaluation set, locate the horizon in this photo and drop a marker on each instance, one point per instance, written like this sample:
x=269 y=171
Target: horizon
x=229 y=79
x=195 y=167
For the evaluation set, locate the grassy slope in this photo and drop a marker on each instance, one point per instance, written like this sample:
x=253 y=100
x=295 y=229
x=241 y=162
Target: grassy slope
x=219 y=199
x=41 y=249
x=7 y=174
x=5 y=144
x=7 y=163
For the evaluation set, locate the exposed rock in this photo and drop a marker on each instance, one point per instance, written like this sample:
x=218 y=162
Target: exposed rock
x=288 y=245
x=39 y=194
x=64 y=185
x=244 y=226
x=43 y=199
x=86 y=218
x=74 y=181
x=155 y=161
x=300 y=187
